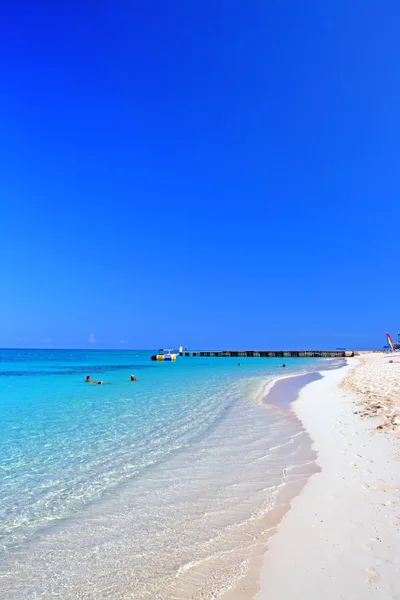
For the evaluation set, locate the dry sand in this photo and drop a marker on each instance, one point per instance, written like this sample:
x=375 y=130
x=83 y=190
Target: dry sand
x=376 y=382
x=341 y=538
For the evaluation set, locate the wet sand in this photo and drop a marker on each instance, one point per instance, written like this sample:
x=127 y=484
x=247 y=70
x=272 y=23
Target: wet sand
x=286 y=391
x=280 y=395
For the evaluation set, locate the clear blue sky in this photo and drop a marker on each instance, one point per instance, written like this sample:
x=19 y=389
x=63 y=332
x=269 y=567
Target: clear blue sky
x=220 y=174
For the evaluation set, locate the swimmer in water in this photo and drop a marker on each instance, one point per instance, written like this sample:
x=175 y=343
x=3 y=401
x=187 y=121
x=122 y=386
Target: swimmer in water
x=88 y=380
x=283 y=365
x=133 y=378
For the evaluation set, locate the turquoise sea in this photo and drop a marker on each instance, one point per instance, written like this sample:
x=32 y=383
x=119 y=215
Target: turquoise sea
x=152 y=489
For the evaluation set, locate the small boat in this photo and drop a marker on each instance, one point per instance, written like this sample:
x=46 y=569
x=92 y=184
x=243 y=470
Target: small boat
x=165 y=355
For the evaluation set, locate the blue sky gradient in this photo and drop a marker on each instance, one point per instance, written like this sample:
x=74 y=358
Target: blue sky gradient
x=210 y=174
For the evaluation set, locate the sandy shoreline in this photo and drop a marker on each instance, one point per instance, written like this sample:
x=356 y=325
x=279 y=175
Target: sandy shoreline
x=278 y=394
x=333 y=529
x=341 y=537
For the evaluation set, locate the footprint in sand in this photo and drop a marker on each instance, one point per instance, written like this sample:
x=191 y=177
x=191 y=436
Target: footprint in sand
x=396 y=521
x=367 y=546
x=371 y=543
x=372 y=575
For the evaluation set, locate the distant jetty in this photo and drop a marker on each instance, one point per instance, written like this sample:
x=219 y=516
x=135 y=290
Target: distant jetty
x=271 y=353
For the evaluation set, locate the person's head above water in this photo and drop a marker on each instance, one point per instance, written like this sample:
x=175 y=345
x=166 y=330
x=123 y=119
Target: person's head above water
x=133 y=378
x=87 y=378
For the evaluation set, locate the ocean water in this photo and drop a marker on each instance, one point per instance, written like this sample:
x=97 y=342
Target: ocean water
x=154 y=489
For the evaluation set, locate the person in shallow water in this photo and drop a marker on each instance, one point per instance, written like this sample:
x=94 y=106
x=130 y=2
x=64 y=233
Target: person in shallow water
x=133 y=378
x=283 y=365
x=89 y=380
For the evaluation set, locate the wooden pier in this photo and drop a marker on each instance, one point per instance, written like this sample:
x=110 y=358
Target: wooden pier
x=271 y=353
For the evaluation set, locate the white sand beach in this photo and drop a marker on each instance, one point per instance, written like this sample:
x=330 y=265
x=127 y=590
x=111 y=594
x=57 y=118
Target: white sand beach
x=341 y=537
x=376 y=383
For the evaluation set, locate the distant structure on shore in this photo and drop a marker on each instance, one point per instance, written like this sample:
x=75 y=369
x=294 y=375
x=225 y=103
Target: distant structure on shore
x=271 y=353
x=397 y=346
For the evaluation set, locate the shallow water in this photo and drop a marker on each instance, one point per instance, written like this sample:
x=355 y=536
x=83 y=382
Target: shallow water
x=149 y=489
